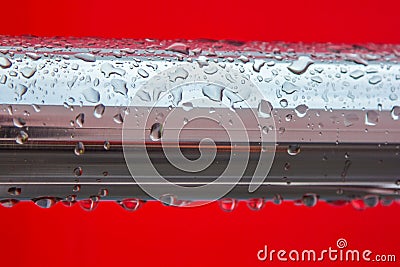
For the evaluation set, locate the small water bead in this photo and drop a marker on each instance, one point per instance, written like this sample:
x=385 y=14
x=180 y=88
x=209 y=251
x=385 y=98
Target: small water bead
x=255 y=204
x=79 y=149
x=310 y=200
x=76 y=188
x=371 y=200
x=78 y=171
x=22 y=138
x=90 y=203
x=8 y=203
x=14 y=191
x=277 y=199
x=156 y=131
x=118 y=119
x=375 y=79
x=45 y=202
x=395 y=113
x=91 y=95
x=284 y=103
x=288 y=117
x=99 y=111
x=293 y=150
x=103 y=192
x=107 y=145
x=36 y=108
x=358 y=204
x=80 y=119
x=228 y=204
x=131 y=204
x=86 y=57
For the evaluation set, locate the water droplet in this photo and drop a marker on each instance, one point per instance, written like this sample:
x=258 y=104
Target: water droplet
x=91 y=95
x=86 y=57
x=5 y=62
x=310 y=200
x=90 y=203
x=375 y=79
x=118 y=119
x=78 y=171
x=255 y=204
x=14 y=191
x=20 y=90
x=293 y=150
x=79 y=149
x=287 y=166
x=301 y=110
x=371 y=117
x=300 y=66
x=80 y=119
x=178 y=73
x=228 y=204
x=130 y=204
x=289 y=88
x=22 y=137
x=107 y=69
x=36 y=108
x=169 y=200
x=357 y=74
x=8 y=203
x=99 y=111
x=395 y=113
x=143 y=95
x=103 y=192
x=264 y=109
x=19 y=122
x=284 y=103
x=277 y=199
x=179 y=48
x=257 y=65
x=107 y=145
x=143 y=73
x=187 y=106
x=119 y=86
x=33 y=56
x=45 y=202
x=76 y=188
x=350 y=119
x=28 y=72
x=371 y=200
x=213 y=92
x=156 y=131
x=316 y=79
x=358 y=204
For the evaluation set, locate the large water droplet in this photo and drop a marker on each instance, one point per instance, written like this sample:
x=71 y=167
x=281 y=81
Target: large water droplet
x=310 y=200
x=119 y=86
x=371 y=200
x=131 y=204
x=19 y=122
x=357 y=74
x=228 y=204
x=358 y=204
x=45 y=202
x=289 y=88
x=213 y=92
x=20 y=90
x=33 y=56
x=5 y=62
x=301 y=110
x=350 y=119
x=91 y=95
x=264 y=109
x=257 y=65
x=156 y=131
x=375 y=79
x=118 y=119
x=277 y=199
x=169 y=200
x=78 y=171
x=99 y=111
x=293 y=150
x=8 y=203
x=107 y=69
x=371 y=117
x=179 y=47
x=143 y=73
x=300 y=66
x=22 y=137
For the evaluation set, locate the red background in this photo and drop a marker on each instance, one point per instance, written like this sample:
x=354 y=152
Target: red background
x=206 y=236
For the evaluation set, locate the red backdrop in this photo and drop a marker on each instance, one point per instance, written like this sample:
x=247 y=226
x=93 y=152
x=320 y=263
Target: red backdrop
x=206 y=236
